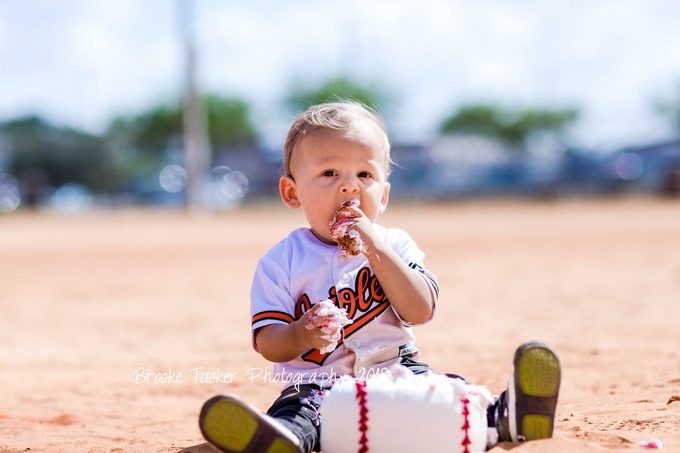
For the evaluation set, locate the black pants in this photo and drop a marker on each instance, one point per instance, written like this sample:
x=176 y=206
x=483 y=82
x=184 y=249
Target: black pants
x=298 y=408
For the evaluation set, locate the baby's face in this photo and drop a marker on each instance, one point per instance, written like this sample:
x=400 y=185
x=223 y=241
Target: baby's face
x=330 y=167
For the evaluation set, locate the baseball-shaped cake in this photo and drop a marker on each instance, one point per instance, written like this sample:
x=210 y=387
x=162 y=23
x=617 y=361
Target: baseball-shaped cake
x=404 y=413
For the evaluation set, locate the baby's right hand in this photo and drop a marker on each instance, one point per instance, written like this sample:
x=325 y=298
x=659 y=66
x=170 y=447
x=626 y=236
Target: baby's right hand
x=310 y=338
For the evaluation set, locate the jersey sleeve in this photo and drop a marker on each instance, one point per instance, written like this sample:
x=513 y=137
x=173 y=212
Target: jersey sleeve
x=408 y=250
x=270 y=299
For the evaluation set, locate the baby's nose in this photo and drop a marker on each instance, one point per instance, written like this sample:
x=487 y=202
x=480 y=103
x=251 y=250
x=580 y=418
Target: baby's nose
x=347 y=188
x=349 y=185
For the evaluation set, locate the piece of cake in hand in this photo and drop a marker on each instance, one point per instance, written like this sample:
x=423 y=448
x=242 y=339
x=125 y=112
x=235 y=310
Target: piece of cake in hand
x=350 y=243
x=331 y=320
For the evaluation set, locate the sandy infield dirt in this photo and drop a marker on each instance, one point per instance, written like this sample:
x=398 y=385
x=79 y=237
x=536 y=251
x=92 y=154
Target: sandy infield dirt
x=90 y=305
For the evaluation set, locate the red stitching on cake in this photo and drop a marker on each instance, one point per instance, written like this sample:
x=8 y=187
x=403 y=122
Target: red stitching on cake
x=363 y=416
x=466 y=426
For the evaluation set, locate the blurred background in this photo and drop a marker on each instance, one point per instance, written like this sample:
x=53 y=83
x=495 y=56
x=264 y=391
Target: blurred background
x=186 y=102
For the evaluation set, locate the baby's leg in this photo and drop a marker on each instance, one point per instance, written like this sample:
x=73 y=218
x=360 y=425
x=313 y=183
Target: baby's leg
x=298 y=410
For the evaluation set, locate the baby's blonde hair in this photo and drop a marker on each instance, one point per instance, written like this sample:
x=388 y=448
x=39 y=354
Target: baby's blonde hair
x=338 y=116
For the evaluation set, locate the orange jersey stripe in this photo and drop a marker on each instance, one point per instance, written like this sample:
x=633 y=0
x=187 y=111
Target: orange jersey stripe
x=278 y=315
x=367 y=317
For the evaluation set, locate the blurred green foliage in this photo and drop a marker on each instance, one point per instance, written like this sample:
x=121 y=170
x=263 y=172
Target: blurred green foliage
x=333 y=90
x=228 y=121
x=43 y=154
x=151 y=130
x=514 y=127
x=144 y=142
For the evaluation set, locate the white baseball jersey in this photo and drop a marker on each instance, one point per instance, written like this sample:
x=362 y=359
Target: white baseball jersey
x=301 y=271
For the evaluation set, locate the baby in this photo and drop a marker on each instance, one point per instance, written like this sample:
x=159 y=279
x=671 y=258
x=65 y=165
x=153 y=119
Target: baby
x=337 y=162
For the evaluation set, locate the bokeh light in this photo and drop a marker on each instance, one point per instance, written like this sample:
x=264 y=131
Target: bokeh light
x=628 y=166
x=9 y=193
x=235 y=185
x=173 y=178
x=71 y=198
x=224 y=188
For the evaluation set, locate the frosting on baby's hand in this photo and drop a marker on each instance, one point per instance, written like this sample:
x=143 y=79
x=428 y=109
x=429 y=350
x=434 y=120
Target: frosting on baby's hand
x=349 y=243
x=331 y=320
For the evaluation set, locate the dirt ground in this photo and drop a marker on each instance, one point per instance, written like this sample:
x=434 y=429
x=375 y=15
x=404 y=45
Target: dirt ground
x=116 y=325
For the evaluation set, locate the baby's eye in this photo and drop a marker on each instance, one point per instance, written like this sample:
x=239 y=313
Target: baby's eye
x=364 y=174
x=328 y=173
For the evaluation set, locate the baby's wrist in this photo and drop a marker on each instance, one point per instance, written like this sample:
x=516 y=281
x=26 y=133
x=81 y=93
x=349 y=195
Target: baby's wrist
x=299 y=331
x=369 y=237
x=374 y=249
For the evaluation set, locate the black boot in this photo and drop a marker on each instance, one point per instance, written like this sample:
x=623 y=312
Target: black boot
x=526 y=411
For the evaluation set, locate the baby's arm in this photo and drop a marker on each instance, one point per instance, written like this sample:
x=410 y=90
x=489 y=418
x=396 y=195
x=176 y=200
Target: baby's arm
x=406 y=289
x=284 y=342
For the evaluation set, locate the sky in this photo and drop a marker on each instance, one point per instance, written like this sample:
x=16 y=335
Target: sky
x=79 y=63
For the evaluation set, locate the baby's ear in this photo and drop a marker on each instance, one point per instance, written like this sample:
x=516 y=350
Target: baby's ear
x=287 y=188
x=385 y=198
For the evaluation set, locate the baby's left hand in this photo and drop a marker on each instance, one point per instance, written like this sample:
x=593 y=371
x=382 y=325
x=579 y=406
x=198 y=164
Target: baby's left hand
x=352 y=230
x=362 y=225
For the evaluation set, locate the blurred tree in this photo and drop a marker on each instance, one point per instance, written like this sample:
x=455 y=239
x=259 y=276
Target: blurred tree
x=334 y=90
x=514 y=127
x=153 y=131
x=229 y=122
x=46 y=155
x=141 y=144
